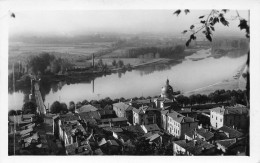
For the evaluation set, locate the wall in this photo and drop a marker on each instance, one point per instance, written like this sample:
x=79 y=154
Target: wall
x=216 y=120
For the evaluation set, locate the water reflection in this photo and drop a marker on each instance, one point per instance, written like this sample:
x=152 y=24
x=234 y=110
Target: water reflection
x=147 y=81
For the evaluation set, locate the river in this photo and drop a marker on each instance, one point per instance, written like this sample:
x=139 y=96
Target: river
x=188 y=75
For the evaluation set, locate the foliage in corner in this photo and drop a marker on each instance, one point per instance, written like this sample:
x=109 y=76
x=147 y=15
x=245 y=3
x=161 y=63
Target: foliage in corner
x=207 y=23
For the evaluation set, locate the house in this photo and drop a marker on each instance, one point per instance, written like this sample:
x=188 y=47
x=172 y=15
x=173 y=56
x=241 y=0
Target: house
x=163 y=102
x=187 y=112
x=237 y=117
x=150 y=128
x=193 y=147
x=178 y=125
x=86 y=108
x=201 y=133
x=104 y=114
x=231 y=146
x=133 y=131
x=230 y=132
x=146 y=115
x=120 y=121
x=75 y=149
x=123 y=110
x=164 y=119
x=138 y=103
x=63 y=120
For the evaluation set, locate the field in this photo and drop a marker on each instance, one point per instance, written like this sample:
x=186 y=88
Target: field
x=76 y=53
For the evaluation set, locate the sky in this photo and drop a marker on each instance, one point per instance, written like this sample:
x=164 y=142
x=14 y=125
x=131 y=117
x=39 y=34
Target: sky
x=79 y=22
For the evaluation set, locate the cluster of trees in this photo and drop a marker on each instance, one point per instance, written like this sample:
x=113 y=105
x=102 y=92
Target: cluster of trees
x=219 y=96
x=29 y=107
x=58 y=107
x=169 y=52
x=46 y=63
x=120 y=64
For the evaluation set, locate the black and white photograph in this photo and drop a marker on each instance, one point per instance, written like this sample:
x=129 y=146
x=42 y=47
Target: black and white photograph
x=171 y=81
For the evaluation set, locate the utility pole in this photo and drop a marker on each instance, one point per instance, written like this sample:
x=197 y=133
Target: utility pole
x=14 y=133
x=13 y=79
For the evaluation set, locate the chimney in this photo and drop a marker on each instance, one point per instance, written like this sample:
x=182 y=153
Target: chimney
x=93 y=63
x=195 y=142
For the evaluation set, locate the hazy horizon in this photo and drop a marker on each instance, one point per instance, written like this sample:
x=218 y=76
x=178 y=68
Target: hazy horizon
x=73 y=23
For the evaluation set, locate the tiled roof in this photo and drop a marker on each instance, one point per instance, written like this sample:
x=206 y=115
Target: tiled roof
x=123 y=106
x=144 y=109
x=86 y=108
x=69 y=117
x=113 y=129
x=152 y=127
x=133 y=129
x=98 y=152
x=190 y=133
x=205 y=133
x=231 y=110
x=196 y=146
x=180 y=118
x=106 y=112
x=89 y=115
x=113 y=142
x=164 y=112
x=226 y=143
x=163 y=99
x=71 y=148
x=153 y=137
x=232 y=133
x=119 y=119
x=26 y=131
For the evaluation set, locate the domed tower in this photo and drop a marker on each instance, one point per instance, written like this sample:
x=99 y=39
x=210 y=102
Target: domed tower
x=167 y=91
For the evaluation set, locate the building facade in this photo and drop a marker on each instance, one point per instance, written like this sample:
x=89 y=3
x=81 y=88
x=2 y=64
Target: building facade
x=236 y=117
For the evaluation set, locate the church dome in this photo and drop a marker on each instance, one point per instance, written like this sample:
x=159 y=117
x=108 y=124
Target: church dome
x=167 y=91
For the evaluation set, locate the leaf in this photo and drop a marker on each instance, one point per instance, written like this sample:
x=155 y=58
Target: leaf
x=201 y=17
x=225 y=10
x=192 y=37
x=186 y=11
x=209 y=37
x=188 y=42
x=204 y=32
x=215 y=20
x=12 y=15
x=223 y=21
x=177 y=12
x=212 y=28
x=243 y=24
x=202 y=21
x=185 y=31
x=192 y=26
x=208 y=30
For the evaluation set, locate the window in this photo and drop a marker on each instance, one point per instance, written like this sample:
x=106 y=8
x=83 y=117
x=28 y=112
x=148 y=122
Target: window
x=212 y=116
x=216 y=118
x=220 y=119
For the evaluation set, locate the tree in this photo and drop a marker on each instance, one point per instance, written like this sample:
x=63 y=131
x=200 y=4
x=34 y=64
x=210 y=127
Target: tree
x=12 y=112
x=72 y=106
x=100 y=63
x=85 y=102
x=29 y=107
x=120 y=63
x=78 y=105
x=114 y=63
x=64 y=108
x=56 y=107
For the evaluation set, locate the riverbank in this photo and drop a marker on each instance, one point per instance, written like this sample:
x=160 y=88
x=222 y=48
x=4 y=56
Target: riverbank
x=234 y=82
